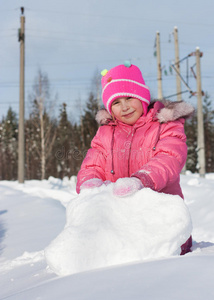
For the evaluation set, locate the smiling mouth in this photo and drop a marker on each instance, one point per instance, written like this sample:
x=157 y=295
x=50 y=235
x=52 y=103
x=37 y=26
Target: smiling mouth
x=128 y=115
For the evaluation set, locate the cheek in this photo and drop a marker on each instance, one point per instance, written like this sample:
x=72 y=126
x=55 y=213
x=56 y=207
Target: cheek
x=139 y=107
x=115 y=110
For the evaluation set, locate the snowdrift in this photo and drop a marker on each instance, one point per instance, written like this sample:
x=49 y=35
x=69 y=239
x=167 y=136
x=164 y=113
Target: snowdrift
x=103 y=230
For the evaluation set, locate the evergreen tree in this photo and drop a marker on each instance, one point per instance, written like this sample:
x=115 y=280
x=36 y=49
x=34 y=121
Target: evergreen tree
x=191 y=133
x=68 y=146
x=9 y=146
x=63 y=144
x=208 y=113
x=89 y=123
x=32 y=138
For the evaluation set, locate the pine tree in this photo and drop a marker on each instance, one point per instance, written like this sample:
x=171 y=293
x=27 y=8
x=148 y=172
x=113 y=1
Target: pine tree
x=69 y=151
x=33 y=170
x=9 y=146
x=89 y=123
x=63 y=143
x=191 y=133
x=208 y=113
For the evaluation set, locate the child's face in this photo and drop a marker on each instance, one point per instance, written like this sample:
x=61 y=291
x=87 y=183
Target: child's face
x=127 y=110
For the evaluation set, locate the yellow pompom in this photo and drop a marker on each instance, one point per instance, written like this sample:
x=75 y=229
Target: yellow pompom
x=104 y=72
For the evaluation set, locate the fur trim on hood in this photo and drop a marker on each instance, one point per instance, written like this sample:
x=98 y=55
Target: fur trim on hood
x=103 y=117
x=164 y=111
x=172 y=111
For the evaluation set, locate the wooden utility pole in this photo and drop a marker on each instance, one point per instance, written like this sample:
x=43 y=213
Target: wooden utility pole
x=159 y=77
x=42 y=129
x=21 y=156
x=201 y=144
x=177 y=64
x=178 y=79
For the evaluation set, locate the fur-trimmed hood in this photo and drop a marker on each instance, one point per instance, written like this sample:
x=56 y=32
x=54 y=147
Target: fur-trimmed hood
x=163 y=111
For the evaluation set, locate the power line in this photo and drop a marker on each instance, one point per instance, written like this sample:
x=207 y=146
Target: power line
x=114 y=17
x=81 y=81
x=109 y=42
x=3 y=11
x=100 y=38
x=74 y=13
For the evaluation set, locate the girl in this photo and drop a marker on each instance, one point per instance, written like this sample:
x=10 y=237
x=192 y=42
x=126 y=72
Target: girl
x=144 y=143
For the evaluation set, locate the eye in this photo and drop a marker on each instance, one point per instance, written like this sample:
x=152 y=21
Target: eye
x=115 y=102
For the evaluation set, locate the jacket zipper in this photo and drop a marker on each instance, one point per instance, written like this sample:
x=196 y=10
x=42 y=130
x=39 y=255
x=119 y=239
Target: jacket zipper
x=157 y=137
x=133 y=133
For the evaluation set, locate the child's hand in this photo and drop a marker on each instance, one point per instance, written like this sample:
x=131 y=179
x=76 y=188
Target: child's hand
x=91 y=183
x=127 y=186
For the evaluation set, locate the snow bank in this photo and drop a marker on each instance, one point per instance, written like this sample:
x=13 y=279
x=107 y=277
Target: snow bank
x=199 y=197
x=103 y=230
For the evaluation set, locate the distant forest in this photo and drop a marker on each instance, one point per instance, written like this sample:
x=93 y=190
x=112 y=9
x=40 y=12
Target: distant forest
x=56 y=146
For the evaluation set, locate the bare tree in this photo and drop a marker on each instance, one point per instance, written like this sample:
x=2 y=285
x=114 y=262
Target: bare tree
x=42 y=123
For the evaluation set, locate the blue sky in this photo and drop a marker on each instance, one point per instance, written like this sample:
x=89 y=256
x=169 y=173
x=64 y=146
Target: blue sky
x=71 y=41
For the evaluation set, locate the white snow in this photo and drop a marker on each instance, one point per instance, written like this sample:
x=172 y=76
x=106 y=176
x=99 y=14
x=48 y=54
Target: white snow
x=103 y=230
x=105 y=241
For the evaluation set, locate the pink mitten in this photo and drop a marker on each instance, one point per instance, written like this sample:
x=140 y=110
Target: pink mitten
x=127 y=186
x=91 y=183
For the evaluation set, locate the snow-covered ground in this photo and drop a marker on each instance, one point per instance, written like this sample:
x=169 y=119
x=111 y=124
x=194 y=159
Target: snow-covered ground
x=45 y=229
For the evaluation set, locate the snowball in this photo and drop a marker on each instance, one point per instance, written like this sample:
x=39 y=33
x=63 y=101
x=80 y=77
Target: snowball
x=104 y=230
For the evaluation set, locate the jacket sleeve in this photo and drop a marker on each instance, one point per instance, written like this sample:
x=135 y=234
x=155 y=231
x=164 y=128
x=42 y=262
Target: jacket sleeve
x=170 y=156
x=93 y=165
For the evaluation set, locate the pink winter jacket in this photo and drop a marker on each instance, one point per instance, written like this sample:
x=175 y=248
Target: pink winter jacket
x=153 y=149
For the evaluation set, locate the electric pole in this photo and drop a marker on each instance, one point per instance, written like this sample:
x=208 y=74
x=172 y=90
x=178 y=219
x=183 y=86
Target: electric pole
x=201 y=144
x=159 y=77
x=178 y=79
x=21 y=156
x=177 y=64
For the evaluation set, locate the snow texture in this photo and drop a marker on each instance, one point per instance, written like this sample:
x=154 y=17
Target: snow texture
x=103 y=230
x=33 y=215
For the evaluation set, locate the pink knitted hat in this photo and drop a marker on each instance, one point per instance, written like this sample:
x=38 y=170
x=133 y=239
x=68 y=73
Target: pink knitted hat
x=124 y=81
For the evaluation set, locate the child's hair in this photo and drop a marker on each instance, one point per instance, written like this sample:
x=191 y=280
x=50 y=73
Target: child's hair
x=124 y=81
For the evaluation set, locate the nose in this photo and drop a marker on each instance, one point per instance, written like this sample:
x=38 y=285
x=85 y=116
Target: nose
x=125 y=105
